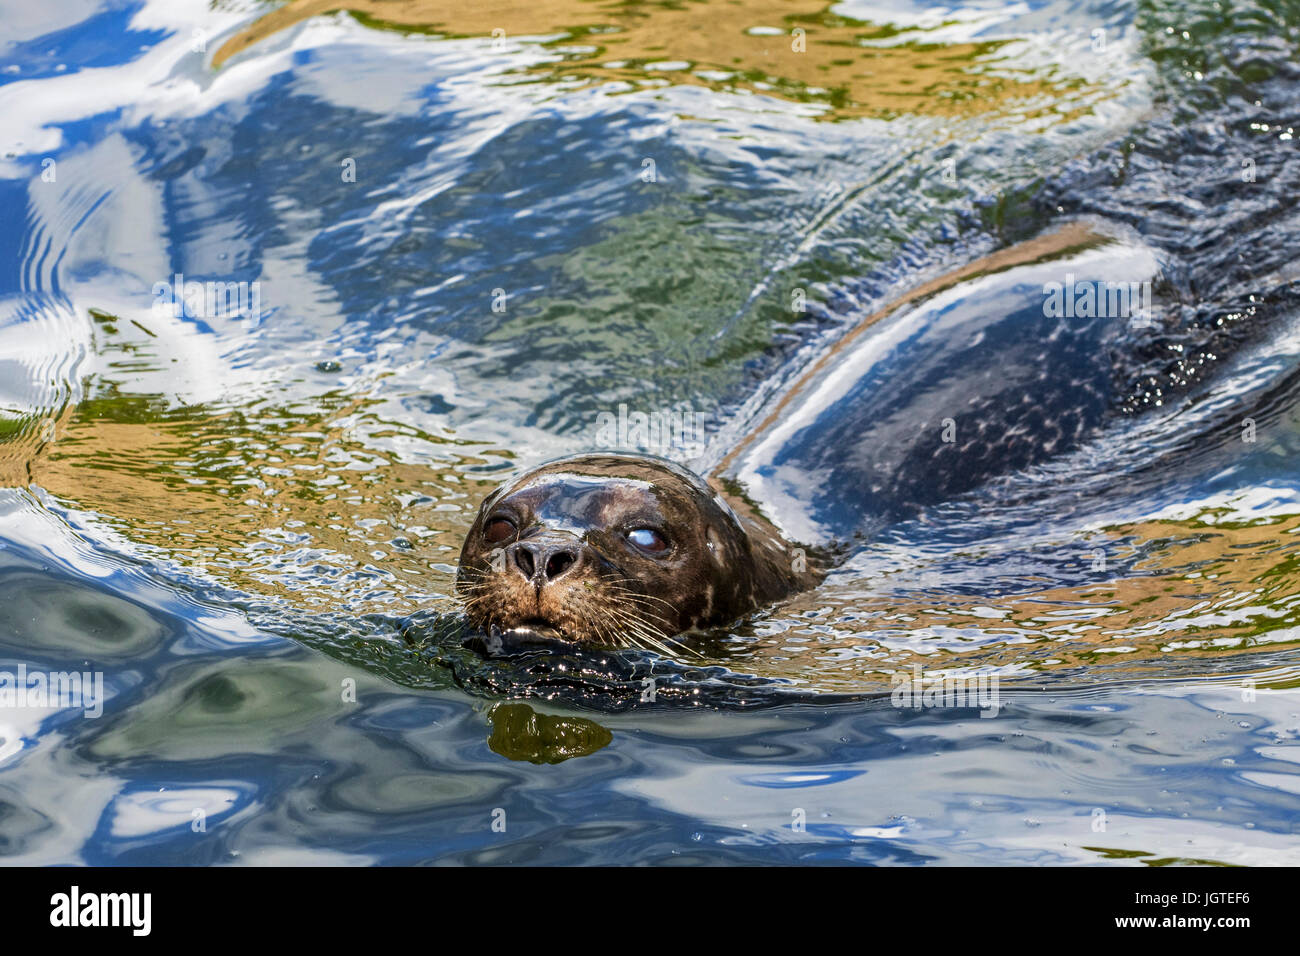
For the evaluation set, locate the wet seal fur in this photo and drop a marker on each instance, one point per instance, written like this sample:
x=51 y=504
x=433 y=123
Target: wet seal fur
x=608 y=549
x=615 y=548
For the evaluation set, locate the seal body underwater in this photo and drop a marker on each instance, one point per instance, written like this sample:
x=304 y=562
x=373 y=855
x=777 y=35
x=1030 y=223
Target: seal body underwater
x=967 y=378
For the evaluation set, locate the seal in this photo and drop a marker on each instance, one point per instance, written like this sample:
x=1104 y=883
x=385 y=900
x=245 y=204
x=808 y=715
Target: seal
x=603 y=549
x=977 y=378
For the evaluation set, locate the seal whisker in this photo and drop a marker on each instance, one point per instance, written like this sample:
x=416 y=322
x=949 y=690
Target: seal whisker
x=637 y=596
x=659 y=640
x=625 y=627
x=607 y=638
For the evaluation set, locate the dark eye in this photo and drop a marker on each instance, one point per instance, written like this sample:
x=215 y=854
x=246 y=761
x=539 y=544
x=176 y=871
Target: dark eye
x=498 y=529
x=648 y=539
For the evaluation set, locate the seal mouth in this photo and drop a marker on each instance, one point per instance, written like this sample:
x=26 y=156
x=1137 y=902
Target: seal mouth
x=498 y=641
x=536 y=627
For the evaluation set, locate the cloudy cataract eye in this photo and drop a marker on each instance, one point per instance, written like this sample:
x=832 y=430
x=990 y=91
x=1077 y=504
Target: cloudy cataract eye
x=647 y=539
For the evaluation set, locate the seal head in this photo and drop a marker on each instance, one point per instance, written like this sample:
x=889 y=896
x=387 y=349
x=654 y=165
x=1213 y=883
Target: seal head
x=606 y=549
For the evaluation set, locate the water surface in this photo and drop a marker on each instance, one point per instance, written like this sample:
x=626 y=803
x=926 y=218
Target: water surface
x=250 y=525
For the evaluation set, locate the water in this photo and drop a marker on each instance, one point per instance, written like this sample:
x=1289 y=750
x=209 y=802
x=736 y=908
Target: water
x=249 y=528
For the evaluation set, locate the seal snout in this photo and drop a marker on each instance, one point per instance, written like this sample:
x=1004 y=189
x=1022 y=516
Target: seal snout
x=543 y=560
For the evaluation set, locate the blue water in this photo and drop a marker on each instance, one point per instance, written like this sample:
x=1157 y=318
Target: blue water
x=247 y=525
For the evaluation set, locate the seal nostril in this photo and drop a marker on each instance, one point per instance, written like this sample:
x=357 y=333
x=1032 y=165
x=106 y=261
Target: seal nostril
x=524 y=561
x=560 y=561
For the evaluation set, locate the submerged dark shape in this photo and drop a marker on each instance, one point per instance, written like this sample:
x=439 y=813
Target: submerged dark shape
x=521 y=733
x=1002 y=364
